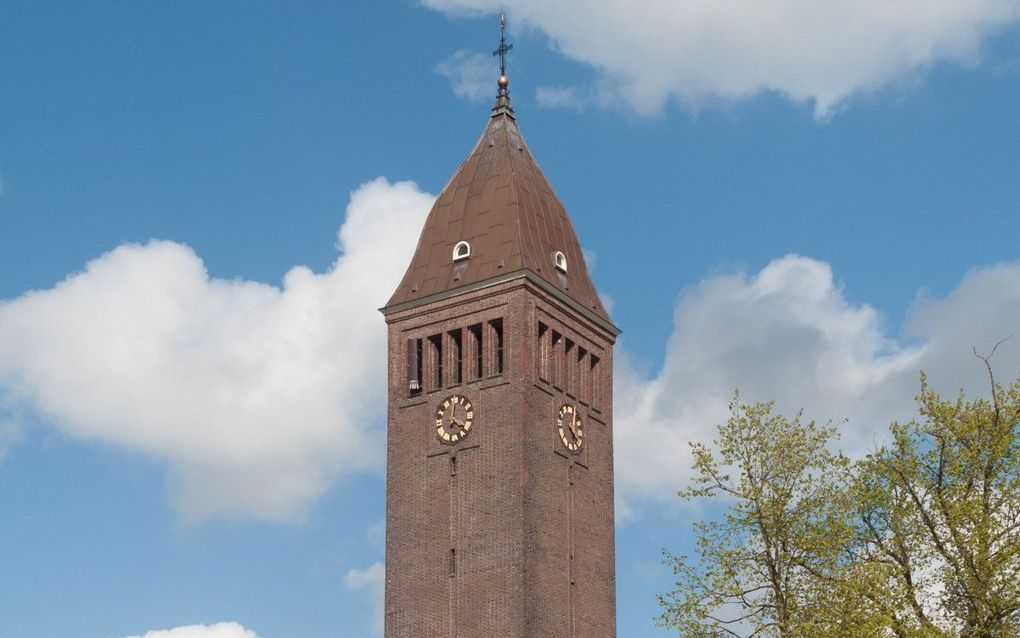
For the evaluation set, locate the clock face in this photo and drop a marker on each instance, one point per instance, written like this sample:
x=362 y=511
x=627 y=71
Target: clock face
x=454 y=418
x=570 y=428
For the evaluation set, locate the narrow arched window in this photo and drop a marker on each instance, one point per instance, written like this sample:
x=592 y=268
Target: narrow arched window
x=560 y=261
x=461 y=251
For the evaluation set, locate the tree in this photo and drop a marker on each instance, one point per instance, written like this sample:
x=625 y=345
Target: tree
x=919 y=539
x=939 y=508
x=773 y=563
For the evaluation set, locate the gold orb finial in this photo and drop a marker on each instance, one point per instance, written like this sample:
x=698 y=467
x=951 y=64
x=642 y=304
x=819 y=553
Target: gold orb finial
x=503 y=81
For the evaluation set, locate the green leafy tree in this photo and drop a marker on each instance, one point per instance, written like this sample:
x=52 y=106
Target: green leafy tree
x=939 y=508
x=774 y=563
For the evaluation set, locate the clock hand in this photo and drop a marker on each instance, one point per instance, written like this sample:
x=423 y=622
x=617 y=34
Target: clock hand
x=573 y=423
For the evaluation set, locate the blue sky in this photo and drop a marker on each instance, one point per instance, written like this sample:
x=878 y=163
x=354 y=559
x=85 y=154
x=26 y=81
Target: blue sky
x=191 y=429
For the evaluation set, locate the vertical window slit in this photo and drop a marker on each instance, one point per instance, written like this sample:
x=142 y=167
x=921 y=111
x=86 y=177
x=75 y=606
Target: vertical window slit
x=436 y=361
x=497 y=346
x=414 y=367
x=542 y=352
x=457 y=356
x=568 y=361
x=557 y=372
x=476 y=351
x=580 y=376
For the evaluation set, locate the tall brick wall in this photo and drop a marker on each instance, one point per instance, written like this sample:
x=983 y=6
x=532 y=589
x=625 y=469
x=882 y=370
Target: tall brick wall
x=534 y=555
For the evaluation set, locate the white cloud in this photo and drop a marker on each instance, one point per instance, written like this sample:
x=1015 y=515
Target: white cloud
x=255 y=395
x=470 y=75
x=372 y=579
x=982 y=310
x=698 y=51
x=377 y=534
x=562 y=96
x=788 y=333
x=10 y=432
x=219 y=630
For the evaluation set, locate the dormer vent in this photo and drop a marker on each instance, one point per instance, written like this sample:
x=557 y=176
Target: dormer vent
x=461 y=251
x=560 y=261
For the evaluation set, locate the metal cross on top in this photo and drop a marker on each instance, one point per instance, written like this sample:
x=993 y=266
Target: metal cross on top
x=504 y=48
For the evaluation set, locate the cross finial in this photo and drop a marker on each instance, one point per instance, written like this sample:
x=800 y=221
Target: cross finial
x=503 y=97
x=504 y=48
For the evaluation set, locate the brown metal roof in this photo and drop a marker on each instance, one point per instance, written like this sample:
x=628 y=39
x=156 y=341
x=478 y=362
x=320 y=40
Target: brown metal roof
x=503 y=206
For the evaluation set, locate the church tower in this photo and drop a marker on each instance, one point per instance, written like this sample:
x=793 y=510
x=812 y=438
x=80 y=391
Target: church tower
x=499 y=485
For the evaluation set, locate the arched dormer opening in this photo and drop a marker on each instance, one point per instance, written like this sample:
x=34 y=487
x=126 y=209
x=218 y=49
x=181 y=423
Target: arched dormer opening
x=461 y=251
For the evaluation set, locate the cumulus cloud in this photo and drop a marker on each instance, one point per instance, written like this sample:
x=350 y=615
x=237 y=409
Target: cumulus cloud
x=10 y=432
x=647 y=52
x=789 y=333
x=372 y=580
x=562 y=96
x=470 y=75
x=219 y=630
x=256 y=396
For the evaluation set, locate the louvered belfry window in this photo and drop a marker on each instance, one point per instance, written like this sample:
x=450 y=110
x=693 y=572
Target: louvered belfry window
x=435 y=362
x=414 y=367
x=476 y=352
x=456 y=357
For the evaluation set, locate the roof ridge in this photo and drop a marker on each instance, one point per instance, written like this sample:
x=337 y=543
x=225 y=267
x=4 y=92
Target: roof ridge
x=515 y=187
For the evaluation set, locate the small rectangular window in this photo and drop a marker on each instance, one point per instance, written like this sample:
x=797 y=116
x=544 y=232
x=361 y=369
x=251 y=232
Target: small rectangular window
x=542 y=351
x=456 y=357
x=497 y=346
x=596 y=382
x=435 y=362
x=477 y=351
x=414 y=366
x=453 y=562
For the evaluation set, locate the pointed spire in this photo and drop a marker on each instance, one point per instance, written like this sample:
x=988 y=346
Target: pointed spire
x=503 y=105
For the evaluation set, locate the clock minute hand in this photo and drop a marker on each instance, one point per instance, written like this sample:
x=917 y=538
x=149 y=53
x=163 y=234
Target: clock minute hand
x=453 y=417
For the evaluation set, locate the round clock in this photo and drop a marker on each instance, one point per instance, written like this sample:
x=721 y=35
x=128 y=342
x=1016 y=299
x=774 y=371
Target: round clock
x=569 y=424
x=454 y=418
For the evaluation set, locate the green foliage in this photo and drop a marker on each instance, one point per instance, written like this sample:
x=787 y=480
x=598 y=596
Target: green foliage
x=940 y=512
x=766 y=566
x=920 y=539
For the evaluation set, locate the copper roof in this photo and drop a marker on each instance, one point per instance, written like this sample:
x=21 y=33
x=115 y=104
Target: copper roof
x=503 y=206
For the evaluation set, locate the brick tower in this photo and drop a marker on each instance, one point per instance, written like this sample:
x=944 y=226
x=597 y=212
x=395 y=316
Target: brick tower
x=499 y=485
